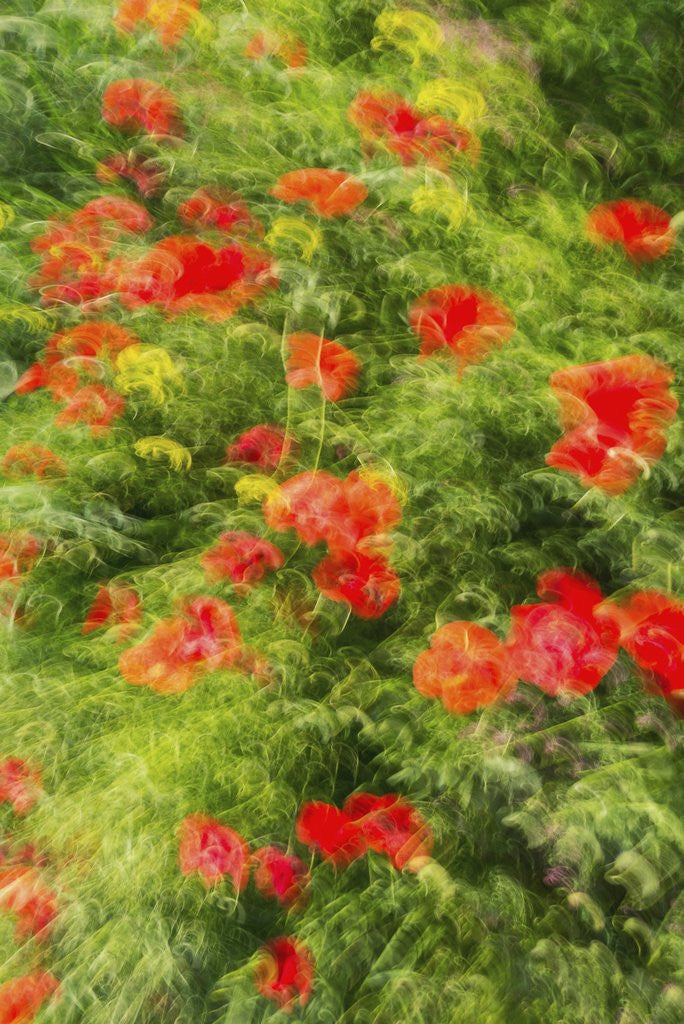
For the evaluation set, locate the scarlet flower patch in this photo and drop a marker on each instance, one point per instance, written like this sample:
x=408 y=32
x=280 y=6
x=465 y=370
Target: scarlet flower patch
x=114 y=605
x=138 y=105
x=24 y=895
x=643 y=230
x=615 y=414
x=22 y=998
x=280 y=876
x=213 y=850
x=146 y=175
x=218 y=208
x=170 y=19
x=393 y=827
x=20 y=784
x=367 y=583
x=241 y=558
x=23 y=460
x=562 y=645
x=332 y=832
x=264 y=446
x=464 y=321
x=284 y=973
x=387 y=120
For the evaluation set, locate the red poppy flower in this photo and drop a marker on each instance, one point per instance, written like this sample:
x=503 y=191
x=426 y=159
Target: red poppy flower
x=264 y=446
x=316 y=361
x=213 y=850
x=115 y=605
x=184 y=274
x=241 y=558
x=392 y=826
x=614 y=414
x=20 y=785
x=94 y=405
x=75 y=250
x=216 y=207
x=330 y=193
x=145 y=174
x=97 y=339
x=280 y=876
x=643 y=230
x=367 y=583
x=466 y=668
x=169 y=18
x=18 y=553
x=310 y=503
x=467 y=322
x=332 y=832
x=288 y=48
x=651 y=628
x=562 y=646
x=136 y=104
x=388 y=120
x=24 y=894
x=181 y=649
x=22 y=998
x=32 y=460
x=285 y=973
x=372 y=510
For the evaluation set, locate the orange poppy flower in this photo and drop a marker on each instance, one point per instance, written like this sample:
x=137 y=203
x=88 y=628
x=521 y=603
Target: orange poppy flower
x=241 y=558
x=138 y=105
x=466 y=668
x=465 y=321
x=32 y=460
x=388 y=120
x=285 y=973
x=392 y=826
x=213 y=850
x=94 y=405
x=614 y=414
x=183 y=648
x=286 y=47
x=330 y=193
x=643 y=230
x=316 y=361
x=169 y=18
x=22 y=998
x=216 y=207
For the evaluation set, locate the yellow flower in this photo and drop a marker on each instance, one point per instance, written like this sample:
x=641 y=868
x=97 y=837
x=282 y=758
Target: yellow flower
x=253 y=488
x=461 y=101
x=6 y=215
x=293 y=229
x=146 y=368
x=443 y=200
x=410 y=32
x=163 y=447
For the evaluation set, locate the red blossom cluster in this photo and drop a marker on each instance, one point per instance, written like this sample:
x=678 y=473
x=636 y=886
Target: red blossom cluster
x=565 y=645
x=215 y=207
x=145 y=174
x=115 y=606
x=351 y=517
x=241 y=558
x=287 y=47
x=22 y=998
x=74 y=363
x=388 y=121
x=138 y=105
x=183 y=273
x=170 y=19
x=76 y=251
x=615 y=414
x=24 y=894
x=264 y=445
x=22 y=460
x=316 y=361
x=330 y=193
x=388 y=825
x=463 y=321
x=19 y=551
x=182 y=649
x=284 y=972
x=20 y=784
x=644 y=231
